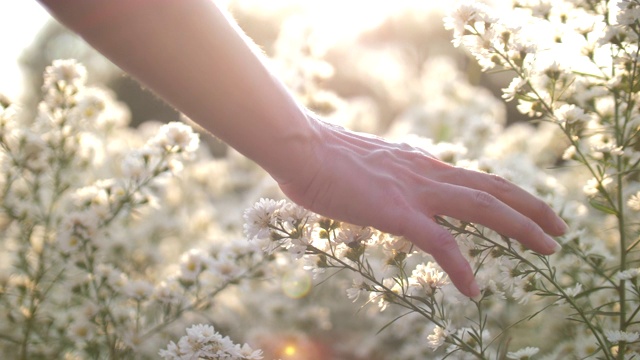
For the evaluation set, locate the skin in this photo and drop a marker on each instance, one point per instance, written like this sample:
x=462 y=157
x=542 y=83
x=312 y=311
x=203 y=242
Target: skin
x=193 y=56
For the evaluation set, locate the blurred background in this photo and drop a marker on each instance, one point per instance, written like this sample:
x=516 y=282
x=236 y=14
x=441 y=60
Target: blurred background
x=367 y=52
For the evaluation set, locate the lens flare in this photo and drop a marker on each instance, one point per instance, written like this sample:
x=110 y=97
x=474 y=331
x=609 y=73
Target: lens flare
x=296 y=284
x=289 y=350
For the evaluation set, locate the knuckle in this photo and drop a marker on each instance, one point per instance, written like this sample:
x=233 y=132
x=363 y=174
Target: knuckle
x=500 y=184
x=484 y=200
x=441 y=241
x=541 y=207
x=528 y=228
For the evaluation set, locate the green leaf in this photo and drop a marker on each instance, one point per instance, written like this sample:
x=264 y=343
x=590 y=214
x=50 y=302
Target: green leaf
x=602 y=207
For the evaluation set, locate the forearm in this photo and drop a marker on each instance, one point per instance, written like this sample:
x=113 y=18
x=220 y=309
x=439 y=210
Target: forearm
x=207 y=70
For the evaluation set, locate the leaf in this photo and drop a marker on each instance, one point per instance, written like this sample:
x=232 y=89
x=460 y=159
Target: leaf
x=602 y=207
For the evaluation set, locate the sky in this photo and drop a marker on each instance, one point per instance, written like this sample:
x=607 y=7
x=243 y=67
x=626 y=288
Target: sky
x=20 y=21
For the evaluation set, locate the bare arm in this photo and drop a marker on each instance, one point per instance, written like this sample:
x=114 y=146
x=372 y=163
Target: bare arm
x=190 y=54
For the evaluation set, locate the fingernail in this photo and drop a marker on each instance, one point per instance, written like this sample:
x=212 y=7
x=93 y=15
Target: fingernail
x=477 y=298
x=474 y=291
x=553 y=245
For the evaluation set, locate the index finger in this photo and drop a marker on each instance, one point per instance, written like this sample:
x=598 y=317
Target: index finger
x=511 y=195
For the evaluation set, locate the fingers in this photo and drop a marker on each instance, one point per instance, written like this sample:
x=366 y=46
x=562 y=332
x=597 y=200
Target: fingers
x=438 y=242
x=483 y=208
x=511 y=195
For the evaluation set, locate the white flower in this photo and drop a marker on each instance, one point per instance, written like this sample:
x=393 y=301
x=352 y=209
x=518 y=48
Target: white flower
x=429 y=277
x=356 y=288
x=224 y=267
x=570 y=153
x=63 y=73
x=259 y=218
x=176 y=137
x=525 y=353
x=634 y=202
x=510 y=92
x=352 y=235
x=616 y=336
x=573 y=291
x=465 y=14
x=569 y=114
x=192 y=263
x=138 y=289
x=396 y=244
x=140 y=164
x=169 y=293
x=628 y=274
x=81 y=330
x=76 y=228
x=293 y=214
x=439 y=335
x=246 y=352
x=90 y=104
x=522 y=291
x=202 y=341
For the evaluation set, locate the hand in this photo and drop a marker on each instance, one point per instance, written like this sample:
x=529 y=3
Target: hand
x=399 y=189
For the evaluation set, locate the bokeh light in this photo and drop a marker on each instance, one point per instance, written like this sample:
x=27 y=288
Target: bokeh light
x=296 y=284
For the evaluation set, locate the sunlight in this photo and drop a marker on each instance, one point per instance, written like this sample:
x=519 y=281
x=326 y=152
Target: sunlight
x=289 y=350
x=22 y=20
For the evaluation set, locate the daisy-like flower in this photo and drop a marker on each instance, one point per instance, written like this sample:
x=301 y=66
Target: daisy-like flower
x=169 y=293
x=352 y=235
x=634 y=202
x=246 y=352
x=138 y=289
x=224 y=267
x=628 y=274
x=522 y=354
x=81 y=331
x=573 y=291
x=176 y=137
x=439 y=335
x=593 y=186
x=465 y=14
x=396 y=244
x=259 y=218
x=569 y=114
x=90 y=104
x=202 y=341
x=140 y=164
x=616 y=336
x=509 y=93
x=76 y=228
x=192 y=263
x=64 y=73
x=356 y=288
x=429 y=277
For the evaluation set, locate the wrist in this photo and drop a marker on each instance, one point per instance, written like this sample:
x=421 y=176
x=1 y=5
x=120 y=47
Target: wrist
x=294 y=156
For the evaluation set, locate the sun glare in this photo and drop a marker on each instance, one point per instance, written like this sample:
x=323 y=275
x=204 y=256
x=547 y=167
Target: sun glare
x=289 y=350
x=21 y=22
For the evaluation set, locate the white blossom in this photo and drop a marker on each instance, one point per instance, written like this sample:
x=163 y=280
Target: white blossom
x=524 y=353
x=616 y=336
x=439 y=335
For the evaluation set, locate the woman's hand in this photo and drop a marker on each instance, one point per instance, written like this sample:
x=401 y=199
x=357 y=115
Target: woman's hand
x=399 y=189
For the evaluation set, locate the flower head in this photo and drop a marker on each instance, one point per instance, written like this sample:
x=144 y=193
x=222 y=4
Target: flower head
x=523 y=354
x=616 y=336
x=176 y=137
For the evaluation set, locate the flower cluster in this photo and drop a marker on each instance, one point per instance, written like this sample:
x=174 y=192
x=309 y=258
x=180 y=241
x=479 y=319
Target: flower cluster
x=203 y=342
x=87 y=204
